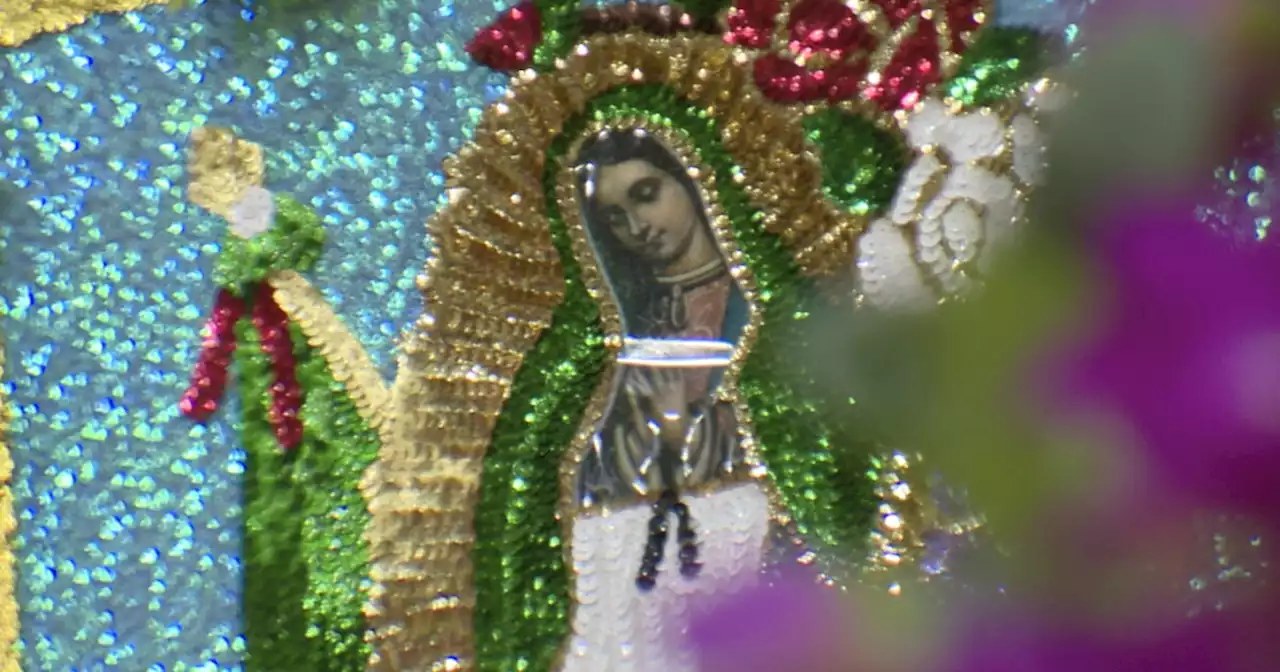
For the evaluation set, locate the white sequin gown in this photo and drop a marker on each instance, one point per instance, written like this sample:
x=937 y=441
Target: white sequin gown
x=617 y=628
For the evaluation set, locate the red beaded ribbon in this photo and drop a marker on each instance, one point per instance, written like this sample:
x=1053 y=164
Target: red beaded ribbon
x=286 y=394
x=209 y=380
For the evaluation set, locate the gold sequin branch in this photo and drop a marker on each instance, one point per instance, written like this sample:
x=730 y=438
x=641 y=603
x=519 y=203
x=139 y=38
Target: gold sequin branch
x=487 y=305
x=918 y=524
x=21 y=20
x=9 y=657
x=220 y=166
x=325 y=331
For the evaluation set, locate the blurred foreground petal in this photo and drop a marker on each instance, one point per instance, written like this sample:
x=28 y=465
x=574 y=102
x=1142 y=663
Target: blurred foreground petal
x=796 y=624
x=1218 y=642
x=1189 y=354
x=790 y=624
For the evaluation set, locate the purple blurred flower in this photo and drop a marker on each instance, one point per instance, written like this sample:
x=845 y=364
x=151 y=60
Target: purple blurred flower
x=1189 y=354
x=799 y=626
x=791 y=623
x=1011 y=641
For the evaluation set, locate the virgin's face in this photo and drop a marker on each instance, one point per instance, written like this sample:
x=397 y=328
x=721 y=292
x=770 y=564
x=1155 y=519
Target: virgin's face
x=647 y=211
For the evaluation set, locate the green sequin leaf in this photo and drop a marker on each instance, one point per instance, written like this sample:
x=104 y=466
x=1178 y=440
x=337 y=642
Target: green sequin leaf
x=522 y=611
x=998 y=64
x=862 y=163
x=294 y=242
x=306 y=565
x=521 y=578
x=561 y=28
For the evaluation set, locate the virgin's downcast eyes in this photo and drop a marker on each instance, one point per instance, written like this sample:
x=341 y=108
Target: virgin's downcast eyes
x=645 y=190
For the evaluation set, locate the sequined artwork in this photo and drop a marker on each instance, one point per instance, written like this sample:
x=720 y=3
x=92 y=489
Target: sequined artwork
x=239 y=439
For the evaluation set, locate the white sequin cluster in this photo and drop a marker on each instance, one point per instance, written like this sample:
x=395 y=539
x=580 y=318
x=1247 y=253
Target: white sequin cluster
x=253 y=214
x=958 y=203
x=620 y=629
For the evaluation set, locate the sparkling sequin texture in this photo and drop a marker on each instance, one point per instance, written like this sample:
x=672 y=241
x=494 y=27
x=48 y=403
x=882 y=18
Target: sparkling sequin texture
x=1244 y=196
x=997 y=65
x=129 y=514
x=305 y=559
x=870 y=161
x=555 y=382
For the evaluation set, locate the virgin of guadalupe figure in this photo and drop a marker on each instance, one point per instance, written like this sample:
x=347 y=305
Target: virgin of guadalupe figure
x=667 y=445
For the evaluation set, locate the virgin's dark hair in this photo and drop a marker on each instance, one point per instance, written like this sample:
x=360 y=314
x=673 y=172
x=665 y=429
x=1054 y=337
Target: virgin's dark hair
x=631 y=278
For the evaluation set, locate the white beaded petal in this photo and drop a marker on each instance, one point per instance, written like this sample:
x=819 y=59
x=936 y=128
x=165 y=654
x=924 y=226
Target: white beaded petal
x=887 y=272
x=906 y=202
x=1029 y=160
x=962 y=229
x=964 y=137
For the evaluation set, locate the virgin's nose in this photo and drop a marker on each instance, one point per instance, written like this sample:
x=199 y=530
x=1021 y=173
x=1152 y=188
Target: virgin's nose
x=636 y=227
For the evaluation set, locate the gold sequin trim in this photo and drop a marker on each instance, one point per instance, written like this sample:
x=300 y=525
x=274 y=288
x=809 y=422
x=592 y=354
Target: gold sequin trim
x=21 y=20
x=220 y=166
x=328 y=334
x=457 y=366
x=906 y=512
x=10 y=661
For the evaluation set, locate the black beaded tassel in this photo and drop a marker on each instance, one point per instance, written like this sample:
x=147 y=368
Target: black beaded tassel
x=668 y=503
x=659 y=529
x=689 y=565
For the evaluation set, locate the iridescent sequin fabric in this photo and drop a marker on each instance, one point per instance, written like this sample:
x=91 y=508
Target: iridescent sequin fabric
x=127 y=555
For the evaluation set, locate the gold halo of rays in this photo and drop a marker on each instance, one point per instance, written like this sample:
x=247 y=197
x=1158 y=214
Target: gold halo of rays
x=597 y=286
x=490 y=286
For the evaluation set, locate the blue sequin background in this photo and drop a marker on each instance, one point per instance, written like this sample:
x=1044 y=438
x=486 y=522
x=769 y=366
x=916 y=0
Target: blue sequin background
x=127 y=555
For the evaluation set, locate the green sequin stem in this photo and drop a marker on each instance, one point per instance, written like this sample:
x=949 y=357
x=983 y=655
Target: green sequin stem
x=337 y=447
x=998 y=64
x=866 y=163
x=305 y=557
x=521 y=580
x=275 y=574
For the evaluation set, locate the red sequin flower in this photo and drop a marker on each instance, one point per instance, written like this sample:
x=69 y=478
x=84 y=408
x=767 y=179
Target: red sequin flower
x=829 y=49
x=751 y=23
x=507 y=45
